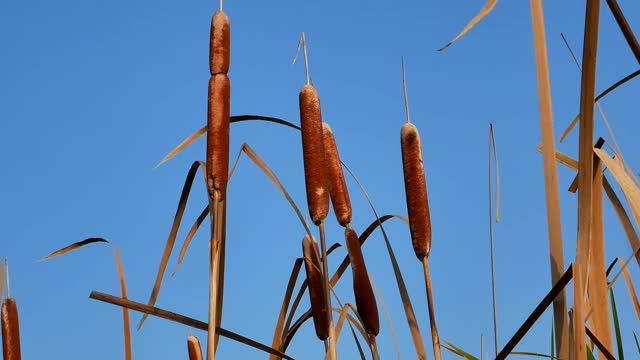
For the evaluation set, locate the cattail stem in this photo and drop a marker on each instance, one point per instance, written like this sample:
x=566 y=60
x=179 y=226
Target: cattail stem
x=6 y=273
x=374 y=347
x=404 y=88
x=491 y=245
x=214 y=256
x=325 y=274
x=435 y=340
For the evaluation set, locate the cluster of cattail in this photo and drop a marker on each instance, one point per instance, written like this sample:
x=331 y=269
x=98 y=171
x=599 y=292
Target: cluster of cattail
x=324 y=180
x=10 y=325
x=218 y=106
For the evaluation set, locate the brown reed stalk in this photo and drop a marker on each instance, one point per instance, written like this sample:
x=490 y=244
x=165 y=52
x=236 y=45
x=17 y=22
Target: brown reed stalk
x=552 y=193
x=598 y=292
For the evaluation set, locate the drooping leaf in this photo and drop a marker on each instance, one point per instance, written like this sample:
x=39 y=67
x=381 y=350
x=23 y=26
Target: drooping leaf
x=486 y=9
x=277 y=333
x=203 y=130
x=121 y=278
x=177 y=219
x=197 y=324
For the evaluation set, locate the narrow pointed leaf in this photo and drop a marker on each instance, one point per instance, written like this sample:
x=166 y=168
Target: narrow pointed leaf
x=486 y=9
x=123 y=284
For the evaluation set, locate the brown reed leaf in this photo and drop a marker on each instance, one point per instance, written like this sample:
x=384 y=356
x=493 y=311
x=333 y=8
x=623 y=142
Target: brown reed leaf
x=552 y=196
x=203 y=130
x=630 y=289
x=486 y=9
x=177 y=219
x=168 y=315
x=121 y=279
x=278 y=331
x=618 y=83
x=597 y=289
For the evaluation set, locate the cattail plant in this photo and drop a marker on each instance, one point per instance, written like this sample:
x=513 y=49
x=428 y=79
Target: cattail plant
x=418 y=205
x=315 y=172
x=337 y=186
x=317 y=298
x=217 y=165
x=193 y=346
x=10 y=324
x=365 y=300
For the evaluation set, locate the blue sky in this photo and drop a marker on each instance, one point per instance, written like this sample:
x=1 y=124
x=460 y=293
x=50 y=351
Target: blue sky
x=93 y=94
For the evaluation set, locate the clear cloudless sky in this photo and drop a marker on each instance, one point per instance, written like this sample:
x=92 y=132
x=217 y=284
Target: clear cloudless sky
x=94 y=93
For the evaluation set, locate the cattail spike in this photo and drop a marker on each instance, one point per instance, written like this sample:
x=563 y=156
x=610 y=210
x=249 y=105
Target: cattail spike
x=219 y=43
x=317 y=297
x=218 y=135
x=416 y=190
x=337 y=186
x=365 y=299
x=10 y=325
x=315 y=171
x=194 y=348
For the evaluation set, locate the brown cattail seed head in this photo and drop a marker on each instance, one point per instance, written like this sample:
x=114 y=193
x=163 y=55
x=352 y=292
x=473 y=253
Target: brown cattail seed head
x=337 y=185
x=365 y=300
x=10 y=330
x=416 y=190
x=218 y=135
x=315 y=172
x=219 y=42
x=319 y=303
x=193 y=345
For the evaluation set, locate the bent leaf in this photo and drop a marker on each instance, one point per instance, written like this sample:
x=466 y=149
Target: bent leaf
x=486 y=9
x=123 y=284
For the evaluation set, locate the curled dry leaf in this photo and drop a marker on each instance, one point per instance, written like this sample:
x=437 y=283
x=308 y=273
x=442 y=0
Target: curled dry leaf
x=121 y=278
